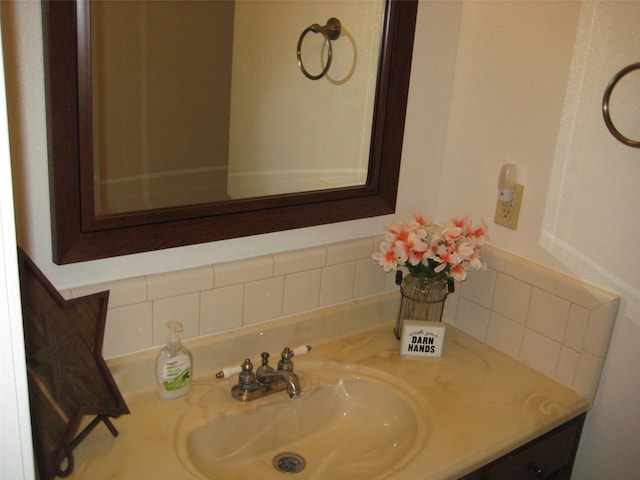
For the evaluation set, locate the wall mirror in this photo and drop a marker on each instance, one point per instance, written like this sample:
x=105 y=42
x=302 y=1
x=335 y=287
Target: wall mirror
x=311 y=138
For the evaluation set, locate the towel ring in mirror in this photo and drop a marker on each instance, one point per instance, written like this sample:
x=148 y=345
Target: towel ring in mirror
x=605 y=106
x=330 y=31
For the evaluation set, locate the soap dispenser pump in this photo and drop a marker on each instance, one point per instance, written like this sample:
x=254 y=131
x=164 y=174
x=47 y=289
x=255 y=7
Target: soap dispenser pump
x=174 y=365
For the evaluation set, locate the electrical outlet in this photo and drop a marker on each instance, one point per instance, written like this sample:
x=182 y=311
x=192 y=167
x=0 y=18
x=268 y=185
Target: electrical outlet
x=507 y=213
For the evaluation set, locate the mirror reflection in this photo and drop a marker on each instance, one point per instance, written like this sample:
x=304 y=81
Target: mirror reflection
x=203 y=101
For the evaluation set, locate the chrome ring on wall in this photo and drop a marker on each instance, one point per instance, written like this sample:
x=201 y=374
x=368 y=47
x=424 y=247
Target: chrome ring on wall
x=330 y=31
x=605 y=106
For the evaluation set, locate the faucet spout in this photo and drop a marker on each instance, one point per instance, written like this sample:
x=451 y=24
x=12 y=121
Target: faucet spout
x=280 y=378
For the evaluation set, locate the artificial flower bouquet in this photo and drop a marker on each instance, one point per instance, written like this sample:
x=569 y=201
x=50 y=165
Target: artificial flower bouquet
x=447 y=252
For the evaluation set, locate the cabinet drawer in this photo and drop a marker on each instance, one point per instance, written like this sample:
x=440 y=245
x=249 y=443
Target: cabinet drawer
x=539 y=459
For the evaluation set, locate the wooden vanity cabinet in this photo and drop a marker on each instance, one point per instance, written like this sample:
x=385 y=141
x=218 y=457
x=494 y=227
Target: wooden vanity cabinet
x=549 y=457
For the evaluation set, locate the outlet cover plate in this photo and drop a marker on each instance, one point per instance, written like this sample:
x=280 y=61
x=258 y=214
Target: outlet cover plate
x=507 y=213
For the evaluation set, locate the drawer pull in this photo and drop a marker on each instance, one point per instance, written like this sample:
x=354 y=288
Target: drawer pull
x=537 y=470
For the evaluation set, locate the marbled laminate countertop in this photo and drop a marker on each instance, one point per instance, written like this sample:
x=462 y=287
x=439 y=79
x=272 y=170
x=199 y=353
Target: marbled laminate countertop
x=480 y=403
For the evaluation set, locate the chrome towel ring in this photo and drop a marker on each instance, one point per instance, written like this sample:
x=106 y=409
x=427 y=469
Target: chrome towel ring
x=330 y=31
x=605 y=106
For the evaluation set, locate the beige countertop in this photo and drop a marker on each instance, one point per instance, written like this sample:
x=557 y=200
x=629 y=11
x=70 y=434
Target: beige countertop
x=480 y=403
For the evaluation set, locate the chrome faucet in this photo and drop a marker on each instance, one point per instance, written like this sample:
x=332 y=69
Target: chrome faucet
x=267 y=380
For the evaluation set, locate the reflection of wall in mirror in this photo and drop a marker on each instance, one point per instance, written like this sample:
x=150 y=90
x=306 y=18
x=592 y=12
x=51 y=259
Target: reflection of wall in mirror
x=305 y=134
x=281 y=132
x=165 y=137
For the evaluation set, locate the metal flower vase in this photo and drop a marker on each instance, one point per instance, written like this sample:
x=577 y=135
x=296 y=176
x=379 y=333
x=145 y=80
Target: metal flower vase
x=422 y=299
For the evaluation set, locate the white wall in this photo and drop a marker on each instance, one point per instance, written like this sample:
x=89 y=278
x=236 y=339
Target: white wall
x=528 y=99
x=16 y=452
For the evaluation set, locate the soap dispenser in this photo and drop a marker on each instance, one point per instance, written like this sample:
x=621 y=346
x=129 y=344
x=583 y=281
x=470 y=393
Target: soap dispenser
x=173 y=366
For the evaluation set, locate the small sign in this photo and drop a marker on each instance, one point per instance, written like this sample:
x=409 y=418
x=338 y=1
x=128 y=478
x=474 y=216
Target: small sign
x=422 y=339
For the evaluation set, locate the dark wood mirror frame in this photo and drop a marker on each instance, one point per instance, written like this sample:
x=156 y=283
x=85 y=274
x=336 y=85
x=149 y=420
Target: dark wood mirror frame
x=79 y=235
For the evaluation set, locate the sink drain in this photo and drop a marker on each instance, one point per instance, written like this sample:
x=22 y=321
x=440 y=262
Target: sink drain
x=289 y=462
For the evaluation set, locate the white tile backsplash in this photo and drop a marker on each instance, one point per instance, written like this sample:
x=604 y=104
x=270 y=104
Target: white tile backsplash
x=177 y=283
x=599 y=328
x=495 y=259
x=301 y=291
x=128 y=329
x=349 y=251
x=299 y=260
x=337 y=283
x=548 y=314
x=263 y=300
x=221 y=309
x=549 y=320
x=530 y=272
x=479 y=287
x=582 y=293
x=183 y=308
x=231 y=273
x=472 y=318
x=504 y=334
x=370 y=278
x=540 y=352
x=566 y=323
x=576 y=327
x=567 y=366
x=511 y=298
x=588 y=375
x=129 y=291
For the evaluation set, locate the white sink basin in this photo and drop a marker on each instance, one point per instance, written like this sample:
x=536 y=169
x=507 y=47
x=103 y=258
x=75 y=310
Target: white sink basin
x=350 y=423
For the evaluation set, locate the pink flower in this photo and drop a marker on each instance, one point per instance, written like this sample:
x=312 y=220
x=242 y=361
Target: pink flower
x=421 y=220
x=476 y=263
x=410 y=249
x=458 y=273
x=386 y=257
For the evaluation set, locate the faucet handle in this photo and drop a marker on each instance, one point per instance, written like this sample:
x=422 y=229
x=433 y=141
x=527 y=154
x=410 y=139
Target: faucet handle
x=285 y=363
x=229 y=371
x=246 y=378
x=301 y=350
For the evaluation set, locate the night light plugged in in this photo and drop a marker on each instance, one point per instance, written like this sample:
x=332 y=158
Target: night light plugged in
x=507 y=182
